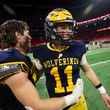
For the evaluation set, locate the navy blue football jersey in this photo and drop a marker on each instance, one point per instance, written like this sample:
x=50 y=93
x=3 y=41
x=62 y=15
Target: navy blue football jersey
x=12 y=61
x=61 y=67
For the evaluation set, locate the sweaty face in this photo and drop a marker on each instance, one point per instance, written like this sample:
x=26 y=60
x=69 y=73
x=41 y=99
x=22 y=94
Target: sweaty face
x=25 y=40
x=64 y=30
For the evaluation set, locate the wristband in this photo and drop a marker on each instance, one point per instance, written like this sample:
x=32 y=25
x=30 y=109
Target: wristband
x=98 y=86
x=101 y=90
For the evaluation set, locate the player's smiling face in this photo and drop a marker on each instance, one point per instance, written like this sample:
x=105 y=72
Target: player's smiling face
x=64 y=31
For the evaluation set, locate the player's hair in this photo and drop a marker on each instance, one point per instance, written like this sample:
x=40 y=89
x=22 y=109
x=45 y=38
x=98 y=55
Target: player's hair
x=7 y=32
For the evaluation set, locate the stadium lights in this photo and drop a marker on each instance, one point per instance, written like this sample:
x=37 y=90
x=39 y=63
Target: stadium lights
x=95 y=19
x=103 y=29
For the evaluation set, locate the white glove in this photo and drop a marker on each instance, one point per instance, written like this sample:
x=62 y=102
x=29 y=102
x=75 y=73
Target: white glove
x=76 y=94
x=37 y=64
x=28 y=108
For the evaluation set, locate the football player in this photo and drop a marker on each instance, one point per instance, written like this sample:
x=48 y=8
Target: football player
x=62 y=57
x=17 y=91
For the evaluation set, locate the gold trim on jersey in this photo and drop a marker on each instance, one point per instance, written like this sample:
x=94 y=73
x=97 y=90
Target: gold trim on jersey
x=21 y=52
x=55 y=49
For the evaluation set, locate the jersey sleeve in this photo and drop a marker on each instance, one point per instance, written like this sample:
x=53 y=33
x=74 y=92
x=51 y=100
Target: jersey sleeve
x=8 y=69
x=83 y=60
x=83 y=48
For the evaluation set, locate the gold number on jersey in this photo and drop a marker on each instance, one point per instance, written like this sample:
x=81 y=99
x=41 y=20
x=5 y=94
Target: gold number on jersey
x=59 y=88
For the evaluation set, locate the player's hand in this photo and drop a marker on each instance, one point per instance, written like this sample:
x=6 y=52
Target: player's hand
x=104 y=95
x=106 y=99
x=78 y=91
x=37 y=64
x=28 y=108
x=76 y=94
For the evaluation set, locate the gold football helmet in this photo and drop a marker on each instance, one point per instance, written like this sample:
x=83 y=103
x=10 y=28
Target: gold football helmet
x=58 y=15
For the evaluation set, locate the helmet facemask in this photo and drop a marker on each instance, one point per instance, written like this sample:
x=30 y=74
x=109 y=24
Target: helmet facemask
x=64 y=32
x=56 y=18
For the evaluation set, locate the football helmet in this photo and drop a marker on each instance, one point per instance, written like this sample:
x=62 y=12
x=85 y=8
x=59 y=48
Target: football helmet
x=59 y=15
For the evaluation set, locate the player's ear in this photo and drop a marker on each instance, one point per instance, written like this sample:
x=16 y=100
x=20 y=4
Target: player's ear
x=17 y=34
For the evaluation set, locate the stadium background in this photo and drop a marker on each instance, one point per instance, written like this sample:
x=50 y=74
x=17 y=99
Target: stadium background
x=93 y=27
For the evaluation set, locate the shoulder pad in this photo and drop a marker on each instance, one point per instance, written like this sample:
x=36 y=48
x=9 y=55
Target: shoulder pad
x=8 y=69
x=39 y=47
x=79 y=42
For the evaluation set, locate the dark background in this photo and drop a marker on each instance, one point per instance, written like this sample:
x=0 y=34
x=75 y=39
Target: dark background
x=35 y=11
x=81 y=9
